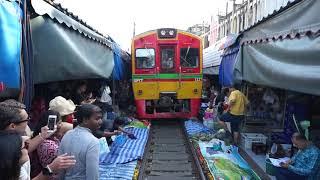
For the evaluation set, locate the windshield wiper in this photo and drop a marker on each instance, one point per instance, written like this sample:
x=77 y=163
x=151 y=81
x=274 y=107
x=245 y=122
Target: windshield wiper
x=187 y=52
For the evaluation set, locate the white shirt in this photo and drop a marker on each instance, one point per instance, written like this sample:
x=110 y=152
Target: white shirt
x=25 y=171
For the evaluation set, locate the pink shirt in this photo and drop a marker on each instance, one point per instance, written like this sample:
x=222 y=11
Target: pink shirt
x=47 y=151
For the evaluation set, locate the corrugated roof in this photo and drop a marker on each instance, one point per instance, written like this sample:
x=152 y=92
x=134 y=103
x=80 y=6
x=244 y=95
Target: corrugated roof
x=212 y=56
x=63 y=16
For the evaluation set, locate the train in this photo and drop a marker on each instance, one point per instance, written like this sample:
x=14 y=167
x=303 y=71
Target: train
x=167 y=74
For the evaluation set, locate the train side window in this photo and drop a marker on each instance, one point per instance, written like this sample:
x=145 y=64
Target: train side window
x=145 y=58
x=189 y=57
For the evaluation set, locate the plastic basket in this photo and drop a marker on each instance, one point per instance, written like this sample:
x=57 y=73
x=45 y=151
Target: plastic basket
x=248 y=138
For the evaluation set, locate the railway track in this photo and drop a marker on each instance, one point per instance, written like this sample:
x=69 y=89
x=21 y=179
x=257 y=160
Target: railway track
x=169 y=155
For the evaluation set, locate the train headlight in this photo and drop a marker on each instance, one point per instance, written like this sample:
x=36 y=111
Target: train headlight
x=195 y=91
x=163 y=32
x=139 y=92
x=167 y=33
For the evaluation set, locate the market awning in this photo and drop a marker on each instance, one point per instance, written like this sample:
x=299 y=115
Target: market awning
x=291 y=63
x=288 y=64
x=212 y=54
x=65 y=49
x=227 y=66
x=117 y=73
x=228 y=41
x=10 y=44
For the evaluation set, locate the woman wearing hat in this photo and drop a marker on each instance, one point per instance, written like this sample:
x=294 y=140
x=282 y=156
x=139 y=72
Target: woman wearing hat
x=64 y=107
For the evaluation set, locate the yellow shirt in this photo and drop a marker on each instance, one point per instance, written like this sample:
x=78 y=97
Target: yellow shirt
x=238 y=101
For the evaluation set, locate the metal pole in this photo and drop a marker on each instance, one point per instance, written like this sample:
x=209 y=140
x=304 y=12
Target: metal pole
x=113 y=92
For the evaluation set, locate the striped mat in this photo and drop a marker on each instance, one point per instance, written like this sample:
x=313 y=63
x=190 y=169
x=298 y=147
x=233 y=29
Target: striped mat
x=125 y=150
x=193 y=128
x=117 y=171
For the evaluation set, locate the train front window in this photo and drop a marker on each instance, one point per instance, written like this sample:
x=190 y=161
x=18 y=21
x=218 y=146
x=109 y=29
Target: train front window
x=145 y=58
x=167 y=59
x=189 y=57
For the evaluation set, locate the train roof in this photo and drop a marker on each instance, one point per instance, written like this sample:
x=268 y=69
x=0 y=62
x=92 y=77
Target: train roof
x=155 y=31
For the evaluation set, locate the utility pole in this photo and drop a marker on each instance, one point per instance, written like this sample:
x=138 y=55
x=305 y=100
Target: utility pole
x=233 y=25
x=134 y=29
x=227 y=9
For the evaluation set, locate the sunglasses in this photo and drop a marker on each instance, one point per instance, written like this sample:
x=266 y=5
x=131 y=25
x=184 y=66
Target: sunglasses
x=25 y=146
x=22 y=121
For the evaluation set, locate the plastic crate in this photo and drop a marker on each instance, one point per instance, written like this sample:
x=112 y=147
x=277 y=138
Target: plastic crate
x=248 y=138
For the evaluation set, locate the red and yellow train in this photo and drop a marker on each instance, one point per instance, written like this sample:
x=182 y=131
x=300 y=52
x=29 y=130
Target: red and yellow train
x=167 y=73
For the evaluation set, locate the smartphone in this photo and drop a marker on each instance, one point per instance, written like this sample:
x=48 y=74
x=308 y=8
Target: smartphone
x=52 y=122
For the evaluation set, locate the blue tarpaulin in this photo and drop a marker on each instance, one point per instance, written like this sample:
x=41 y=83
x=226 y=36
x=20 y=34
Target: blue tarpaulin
x=27 y=57
x=124 y=149
x=193 y=128
x=227 y=66
x=117 y=171
x=117 y=72
x=10 y=43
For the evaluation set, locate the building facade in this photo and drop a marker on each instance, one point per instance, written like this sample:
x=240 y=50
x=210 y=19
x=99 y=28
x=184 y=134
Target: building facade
x=201 y=30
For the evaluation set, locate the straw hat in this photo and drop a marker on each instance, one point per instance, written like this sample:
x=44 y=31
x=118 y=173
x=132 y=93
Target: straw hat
x=61 y=105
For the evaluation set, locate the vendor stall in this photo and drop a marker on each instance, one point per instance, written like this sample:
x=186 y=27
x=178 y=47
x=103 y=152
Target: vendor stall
x=278 y=59
x=218 y=157
x=266 y=110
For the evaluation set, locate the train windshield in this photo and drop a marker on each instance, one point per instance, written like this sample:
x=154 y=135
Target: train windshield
x=145 y=58
x=167 y=59
x=189 y=57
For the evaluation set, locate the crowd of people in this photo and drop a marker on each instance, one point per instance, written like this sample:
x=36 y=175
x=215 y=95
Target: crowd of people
x=67 y=149
x=71 y=149
x=16 y=145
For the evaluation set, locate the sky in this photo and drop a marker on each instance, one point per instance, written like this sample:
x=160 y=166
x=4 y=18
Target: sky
x=116 y=17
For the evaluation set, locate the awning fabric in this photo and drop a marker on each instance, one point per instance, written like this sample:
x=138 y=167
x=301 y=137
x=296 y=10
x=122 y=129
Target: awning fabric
x=10 y=43
x=229 y=40
x=284 y=51
x=64 y=49
x=227 y=66
x=212 y=54
x=292 y=64
x=117 y=73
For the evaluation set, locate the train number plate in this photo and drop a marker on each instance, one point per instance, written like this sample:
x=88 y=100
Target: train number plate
x=137 y=80
x=198 y=79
